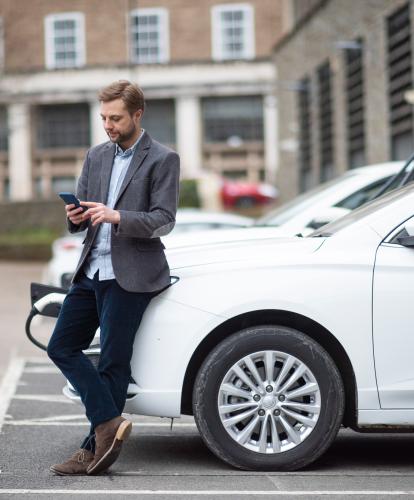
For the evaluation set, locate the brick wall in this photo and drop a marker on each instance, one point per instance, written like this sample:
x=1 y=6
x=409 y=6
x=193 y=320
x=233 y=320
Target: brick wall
x=106 y=28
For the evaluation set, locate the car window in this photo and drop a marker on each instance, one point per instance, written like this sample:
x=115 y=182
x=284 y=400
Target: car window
x=301 y=203
x=363 y=211
x=363 y=195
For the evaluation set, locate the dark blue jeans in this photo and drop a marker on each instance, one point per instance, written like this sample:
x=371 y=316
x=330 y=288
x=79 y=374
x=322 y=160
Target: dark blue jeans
x=89 y=304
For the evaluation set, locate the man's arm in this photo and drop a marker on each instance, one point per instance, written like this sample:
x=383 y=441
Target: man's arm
x=81 y=193
x=160 y=219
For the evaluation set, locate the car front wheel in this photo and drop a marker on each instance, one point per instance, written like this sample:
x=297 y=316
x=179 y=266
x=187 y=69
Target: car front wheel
x=268 y=398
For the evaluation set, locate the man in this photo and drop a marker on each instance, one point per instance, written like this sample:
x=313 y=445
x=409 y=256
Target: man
x=129 y=187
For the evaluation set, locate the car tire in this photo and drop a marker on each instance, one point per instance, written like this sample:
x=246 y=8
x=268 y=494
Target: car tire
x=284 y=441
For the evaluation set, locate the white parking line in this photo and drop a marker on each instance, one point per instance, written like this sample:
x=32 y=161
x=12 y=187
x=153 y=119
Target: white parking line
x=9 y=384
x=76 y=424
x=47 y=398
x=42 y=369
x=374 y=493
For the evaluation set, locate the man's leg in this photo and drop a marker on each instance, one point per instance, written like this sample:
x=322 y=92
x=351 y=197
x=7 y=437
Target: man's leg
x=120 y=313
x=74 y=331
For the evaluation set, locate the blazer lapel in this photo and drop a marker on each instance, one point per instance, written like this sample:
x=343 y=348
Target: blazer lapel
x=136 y=161
x=107 y=162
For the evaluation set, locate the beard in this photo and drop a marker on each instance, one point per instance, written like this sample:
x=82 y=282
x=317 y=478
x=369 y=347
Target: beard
x=123 y=137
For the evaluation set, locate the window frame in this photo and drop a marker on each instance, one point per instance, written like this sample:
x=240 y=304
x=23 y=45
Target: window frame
x=2 y=42
x=50 y=48
x=249 y=50
x=163 y=34
x=69 y=126
x=244 y=125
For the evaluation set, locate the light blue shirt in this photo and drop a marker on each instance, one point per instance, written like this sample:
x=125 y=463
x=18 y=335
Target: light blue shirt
x=100 y=256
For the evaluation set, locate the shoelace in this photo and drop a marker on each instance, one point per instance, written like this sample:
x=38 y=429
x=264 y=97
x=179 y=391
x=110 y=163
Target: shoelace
x=81 y=456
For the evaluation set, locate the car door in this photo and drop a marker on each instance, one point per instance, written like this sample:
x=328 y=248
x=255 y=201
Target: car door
x=393 y=321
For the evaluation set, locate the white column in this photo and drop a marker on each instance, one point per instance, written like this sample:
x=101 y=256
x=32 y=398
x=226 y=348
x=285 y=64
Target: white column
x=20 y=158
x=98 y=134
x=188 y=130
x=271 y=138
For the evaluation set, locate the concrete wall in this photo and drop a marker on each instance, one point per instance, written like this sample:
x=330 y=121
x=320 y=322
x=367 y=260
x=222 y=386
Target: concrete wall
x=32 y=214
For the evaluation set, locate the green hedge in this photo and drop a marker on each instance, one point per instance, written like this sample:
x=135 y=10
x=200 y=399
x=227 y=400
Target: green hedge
x=189 y=196
x=27 y=244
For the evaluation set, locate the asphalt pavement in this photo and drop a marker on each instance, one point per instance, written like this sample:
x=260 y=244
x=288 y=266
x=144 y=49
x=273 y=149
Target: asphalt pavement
x=40 y=427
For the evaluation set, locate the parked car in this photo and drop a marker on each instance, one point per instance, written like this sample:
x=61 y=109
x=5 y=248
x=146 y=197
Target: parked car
x=238 y=194
x=274 y=344
x=67 y=249
x=309 y=211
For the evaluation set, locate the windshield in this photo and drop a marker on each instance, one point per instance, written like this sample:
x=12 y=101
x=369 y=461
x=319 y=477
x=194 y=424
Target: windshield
x=300 y=203
x=364 y=211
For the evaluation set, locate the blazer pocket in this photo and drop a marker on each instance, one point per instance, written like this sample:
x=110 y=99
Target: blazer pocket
x=150 y=246
x=138 y=180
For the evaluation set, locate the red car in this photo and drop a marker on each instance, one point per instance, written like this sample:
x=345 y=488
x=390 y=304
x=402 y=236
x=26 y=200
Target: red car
x=247 y=194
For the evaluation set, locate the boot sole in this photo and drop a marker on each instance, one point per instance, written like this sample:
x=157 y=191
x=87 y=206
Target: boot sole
x=122 y=434
x=59 y=473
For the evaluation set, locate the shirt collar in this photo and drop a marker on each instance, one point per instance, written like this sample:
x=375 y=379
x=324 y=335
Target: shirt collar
x=130 y=151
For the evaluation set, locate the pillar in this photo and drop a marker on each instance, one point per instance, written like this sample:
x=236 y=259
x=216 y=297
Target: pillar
x=20 y=158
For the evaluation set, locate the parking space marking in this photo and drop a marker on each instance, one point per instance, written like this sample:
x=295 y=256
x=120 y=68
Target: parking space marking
x=42 y=369
x=41 y=422
x=9 y=384
x=207 y=492
x=47 y=398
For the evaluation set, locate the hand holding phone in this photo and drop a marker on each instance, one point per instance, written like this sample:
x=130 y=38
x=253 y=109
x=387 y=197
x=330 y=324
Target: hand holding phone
x=70 y=199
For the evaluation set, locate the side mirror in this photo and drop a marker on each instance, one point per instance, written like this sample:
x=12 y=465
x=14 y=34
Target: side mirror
x=407 y=236
x=328 y=215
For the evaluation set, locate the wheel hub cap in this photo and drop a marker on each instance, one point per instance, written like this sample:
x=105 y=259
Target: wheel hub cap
x=269 y=402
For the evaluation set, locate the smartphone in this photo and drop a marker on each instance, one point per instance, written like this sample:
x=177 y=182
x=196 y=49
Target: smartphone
x=69 y=198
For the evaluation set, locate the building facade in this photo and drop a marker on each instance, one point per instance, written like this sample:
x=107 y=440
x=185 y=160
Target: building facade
x=347 y=66
x=205 y=67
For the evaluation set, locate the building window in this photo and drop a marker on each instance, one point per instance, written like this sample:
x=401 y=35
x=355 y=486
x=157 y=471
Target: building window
x=305 y=135
x=60 y=184
x=149 y=36
x=399 y=62
x=233 y=32
x=326 y=135
x=65 y=40
x=63 y=126
x=6 y=189
x=1 y=43
x=159 y=120
x=3 y=129
x=354 y=92
x=233 y=119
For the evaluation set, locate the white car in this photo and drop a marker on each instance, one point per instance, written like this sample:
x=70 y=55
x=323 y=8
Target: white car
x=309 y=211
x=273 y=344
x=67 y=249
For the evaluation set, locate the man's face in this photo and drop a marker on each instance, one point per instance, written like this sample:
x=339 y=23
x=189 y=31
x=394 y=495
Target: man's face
x=120 y=126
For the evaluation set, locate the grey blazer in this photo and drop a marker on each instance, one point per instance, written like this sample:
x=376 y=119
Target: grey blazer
x=147 y=202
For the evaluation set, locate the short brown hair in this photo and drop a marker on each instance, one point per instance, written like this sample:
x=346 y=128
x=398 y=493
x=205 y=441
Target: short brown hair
x=130 y=93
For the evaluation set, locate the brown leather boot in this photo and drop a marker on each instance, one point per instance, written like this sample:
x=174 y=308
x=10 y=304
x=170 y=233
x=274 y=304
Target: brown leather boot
x=76 y=465
x=109 y=437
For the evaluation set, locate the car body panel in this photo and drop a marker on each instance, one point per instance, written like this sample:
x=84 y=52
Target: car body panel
x=393 y=325
x=302 y=282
